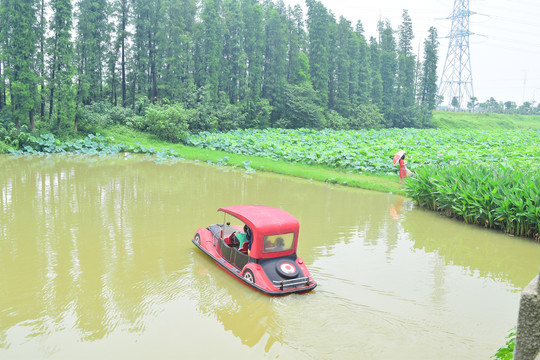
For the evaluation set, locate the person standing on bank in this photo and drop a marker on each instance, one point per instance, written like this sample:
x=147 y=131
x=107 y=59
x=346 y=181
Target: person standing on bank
x=403 y=171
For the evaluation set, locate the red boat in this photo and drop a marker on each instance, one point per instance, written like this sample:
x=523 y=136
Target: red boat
x=258 y=249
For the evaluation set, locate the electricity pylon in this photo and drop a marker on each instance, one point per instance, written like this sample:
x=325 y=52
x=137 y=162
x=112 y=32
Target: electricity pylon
x=456 y=79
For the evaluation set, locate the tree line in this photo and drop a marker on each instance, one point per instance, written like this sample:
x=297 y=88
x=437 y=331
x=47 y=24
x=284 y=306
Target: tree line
x=502 y=107
x=221 y=64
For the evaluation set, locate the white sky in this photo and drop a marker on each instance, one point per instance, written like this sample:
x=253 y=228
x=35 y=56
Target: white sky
x=505 y=50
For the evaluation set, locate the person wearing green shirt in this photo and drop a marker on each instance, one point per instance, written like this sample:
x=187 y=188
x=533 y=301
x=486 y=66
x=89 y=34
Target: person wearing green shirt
x=242 y=238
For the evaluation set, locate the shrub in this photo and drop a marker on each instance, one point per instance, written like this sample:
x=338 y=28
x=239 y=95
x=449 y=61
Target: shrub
x=301 y=108
x=366 y=117
x=169 y=122
x=507 y=352
x=495 y=196
x=335 y=121
x=119 y=115
x=4 y=148
x=92 y=117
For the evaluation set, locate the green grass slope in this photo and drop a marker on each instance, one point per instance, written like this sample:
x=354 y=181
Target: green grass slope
x=483 y=121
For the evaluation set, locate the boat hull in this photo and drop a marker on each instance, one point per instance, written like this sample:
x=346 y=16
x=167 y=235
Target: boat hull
x=254 y=272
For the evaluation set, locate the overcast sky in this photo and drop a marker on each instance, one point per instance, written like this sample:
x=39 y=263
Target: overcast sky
x=505 y=50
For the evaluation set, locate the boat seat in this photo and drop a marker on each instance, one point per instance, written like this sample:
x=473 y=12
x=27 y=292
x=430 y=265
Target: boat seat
x=244 y=249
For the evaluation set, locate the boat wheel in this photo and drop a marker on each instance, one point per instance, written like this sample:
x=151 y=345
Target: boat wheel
x=248 y=276
x=197 y=239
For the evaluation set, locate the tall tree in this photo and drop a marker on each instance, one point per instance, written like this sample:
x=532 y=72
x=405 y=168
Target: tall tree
x=342 y=103
x=2 y=81
x=388 y=68
x=62 y=71
x=19 y=51
x=253 y=35
x=364 y=59
x=146 y=15
x=428 y=78
x=42 y=68
x=175 y=42
x=406 y=63
x=234 y=57
x=275 y=58
x=118 y=51
x=298 y=63
x=319 y=56
x=210 y=39
x=2 y=72
x=140 y=48
x=90 y=49
x=123 y=34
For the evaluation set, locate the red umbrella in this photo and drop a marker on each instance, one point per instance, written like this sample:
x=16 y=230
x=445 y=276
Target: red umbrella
x=398 y=156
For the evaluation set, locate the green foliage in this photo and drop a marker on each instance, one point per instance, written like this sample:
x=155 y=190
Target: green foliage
x=94 y=116
x=18 y=44
x=62 y=70
x=169 y=122
x=100 y=115
x=257 y=115
x=12 y=137
x=319 y=23
x=366 y=117
x=372 y=150
x=91 y=145
x=301 y=108
x=335 y=121
x=483 y=121
x=4 y=148
x=492 y=195
x=229 y=117
x=428 y=76
x=507 y=352
x=90 y=48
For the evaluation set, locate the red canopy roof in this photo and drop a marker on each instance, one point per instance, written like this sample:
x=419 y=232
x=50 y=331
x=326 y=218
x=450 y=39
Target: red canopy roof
x=264 y=219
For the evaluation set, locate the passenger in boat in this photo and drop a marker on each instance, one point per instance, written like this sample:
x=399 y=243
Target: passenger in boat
x=249 y=235
x=231 y=240
x=244 y=240
x=280 y=244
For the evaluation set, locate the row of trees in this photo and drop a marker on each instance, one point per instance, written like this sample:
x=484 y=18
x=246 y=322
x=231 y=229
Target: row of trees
x=257 y=64
x=502 y=107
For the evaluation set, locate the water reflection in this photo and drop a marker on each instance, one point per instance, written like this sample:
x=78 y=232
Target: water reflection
x=96 y=251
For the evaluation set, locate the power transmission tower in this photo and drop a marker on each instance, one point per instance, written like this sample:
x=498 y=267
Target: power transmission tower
x=456 y=80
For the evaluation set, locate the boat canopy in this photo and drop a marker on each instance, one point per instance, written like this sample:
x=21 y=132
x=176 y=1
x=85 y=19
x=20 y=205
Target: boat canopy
x=264 y=219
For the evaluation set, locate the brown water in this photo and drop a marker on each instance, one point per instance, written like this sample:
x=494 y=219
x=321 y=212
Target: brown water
x=96 y=262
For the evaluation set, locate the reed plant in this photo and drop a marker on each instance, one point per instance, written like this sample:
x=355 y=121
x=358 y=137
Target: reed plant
x=494 y=196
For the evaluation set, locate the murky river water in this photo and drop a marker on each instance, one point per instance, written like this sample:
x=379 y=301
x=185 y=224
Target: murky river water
x=96 y=262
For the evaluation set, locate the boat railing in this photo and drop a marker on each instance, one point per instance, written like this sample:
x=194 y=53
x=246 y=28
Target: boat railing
x=307 y=281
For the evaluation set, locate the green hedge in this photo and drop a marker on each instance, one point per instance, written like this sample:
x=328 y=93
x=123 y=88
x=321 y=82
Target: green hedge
x=495 y=196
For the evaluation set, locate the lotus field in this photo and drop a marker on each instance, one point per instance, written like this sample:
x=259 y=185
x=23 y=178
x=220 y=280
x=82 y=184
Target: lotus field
x=489 y=178
x=372 y=150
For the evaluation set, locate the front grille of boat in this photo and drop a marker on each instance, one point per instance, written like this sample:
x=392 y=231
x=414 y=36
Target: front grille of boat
x=293 y=283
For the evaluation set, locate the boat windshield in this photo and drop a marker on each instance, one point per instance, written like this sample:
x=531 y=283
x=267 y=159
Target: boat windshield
x=280 y=242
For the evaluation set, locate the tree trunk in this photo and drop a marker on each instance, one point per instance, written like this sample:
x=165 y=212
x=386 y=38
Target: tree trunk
x=2 y=87
x=32 y=121
x=42 y=60
x=124 y=15
x=76 y=124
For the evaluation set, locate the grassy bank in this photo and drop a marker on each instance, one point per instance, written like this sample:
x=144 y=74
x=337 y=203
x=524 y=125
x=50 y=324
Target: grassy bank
x=383 y=183
x=356 y=158
x=483 y=121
